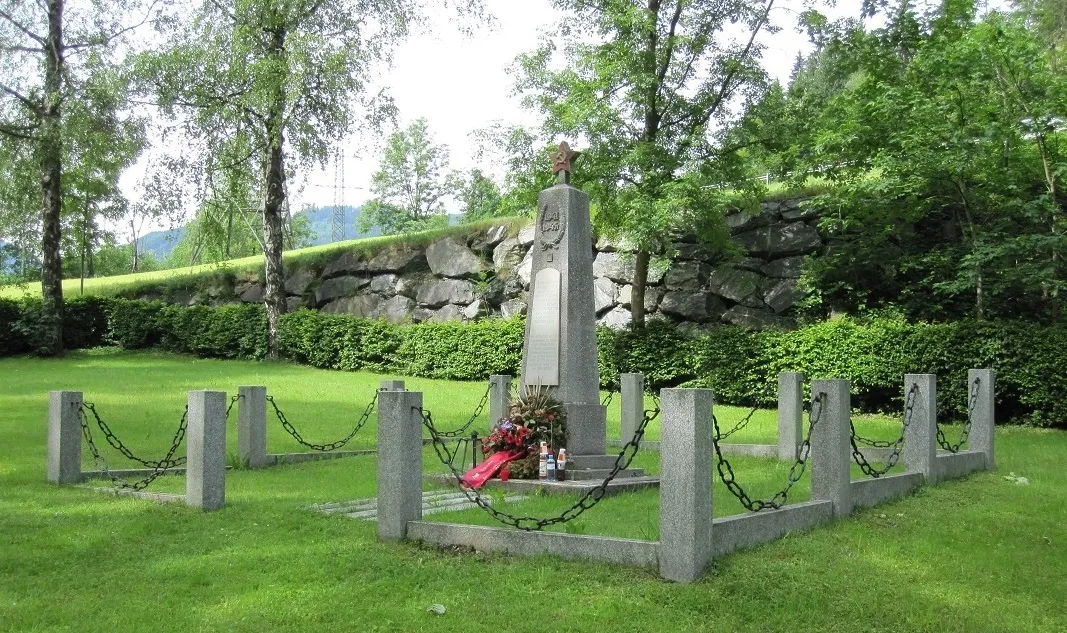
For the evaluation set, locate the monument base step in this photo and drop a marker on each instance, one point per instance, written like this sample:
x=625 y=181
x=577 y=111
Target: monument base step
x=599 y=474
x=569 y=487
x=591 y=462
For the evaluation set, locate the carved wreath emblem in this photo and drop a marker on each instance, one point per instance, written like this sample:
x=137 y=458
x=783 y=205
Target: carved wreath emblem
x=552 y=222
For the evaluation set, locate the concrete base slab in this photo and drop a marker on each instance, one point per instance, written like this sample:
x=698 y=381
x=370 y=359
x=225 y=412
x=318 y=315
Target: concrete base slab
x=161 y=497
x=297 y=458
x=569 y=487
x=508 y=541
x=952 y=465
x=743 y=531
x=432 y=503
x=868 y=493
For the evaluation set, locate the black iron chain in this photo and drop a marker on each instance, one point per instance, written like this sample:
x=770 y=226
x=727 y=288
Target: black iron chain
x=737 y=427
x=588 y=499
x=233 y=401
x=117 y=444
x=474 y=441
x=101 y=464
x=332 y=445
x=955 y=448
x=608 y=398
x=796 y=471
x=897 y=445
x=474 y=416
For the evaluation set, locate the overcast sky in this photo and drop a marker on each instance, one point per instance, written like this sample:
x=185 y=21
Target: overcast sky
x=460 y=84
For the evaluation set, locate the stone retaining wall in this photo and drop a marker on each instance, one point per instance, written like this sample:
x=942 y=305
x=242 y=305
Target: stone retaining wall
x=487 y=273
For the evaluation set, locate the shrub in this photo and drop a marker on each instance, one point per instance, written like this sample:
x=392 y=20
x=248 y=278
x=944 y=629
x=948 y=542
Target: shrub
x=741 y=365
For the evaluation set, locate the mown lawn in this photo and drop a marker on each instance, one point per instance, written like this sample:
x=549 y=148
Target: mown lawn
x=980 y=554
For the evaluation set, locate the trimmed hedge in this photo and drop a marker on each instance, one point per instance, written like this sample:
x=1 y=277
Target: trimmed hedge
x=741 y=365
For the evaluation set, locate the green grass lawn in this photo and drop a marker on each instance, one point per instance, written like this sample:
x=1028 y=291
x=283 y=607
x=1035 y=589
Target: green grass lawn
x=979 y=554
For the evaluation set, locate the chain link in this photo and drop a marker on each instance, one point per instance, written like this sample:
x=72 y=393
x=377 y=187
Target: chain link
x=737 y=427
x=588 y=499
x=233 y=401
x=474 y=416
x=955 y=448
x=117 y=444
x=608 y=398
x=332 y=445
x=796 y=471
x=897 y=445
x=474 y=441
x=101 y=464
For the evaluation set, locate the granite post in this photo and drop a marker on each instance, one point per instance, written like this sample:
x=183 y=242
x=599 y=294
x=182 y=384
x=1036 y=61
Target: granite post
x=982 y=418
x=685 y=483
x=632 y=392
x=252 y=426
x=391 y=385
x=399 y=462
x=920 y=438
x=790 y=414
x=499 y=397
x=64 y=437
x=559 y=348
x=205 y=475
x=831 y=451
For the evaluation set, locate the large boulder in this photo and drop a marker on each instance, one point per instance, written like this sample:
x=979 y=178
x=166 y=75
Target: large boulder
x=700 y=252
x=525 y=271
x=339 y=287
x=448 y=257
x=756 y=319
x=347 y=263
x=474 y=311
x=605 y=292
x=397 y=260
x=250 y=293
x=691 y=306
x=297 y=283
x=384 y=285
x=396 y=310
x=526 y=235
x=512 y=307
x=436 y=294
x=687 y=275
x=786 y=267
x=781 y=240
x=653 y=295
x=496 y=234
x=294 y=303
x=747 y=220
x=781 y=294
x=617 y=319
x=507 y=254
x=739 y=286
x=793 y=210
x=409 y=285
x=361 y=306
x=614 y=266
x=448 y=313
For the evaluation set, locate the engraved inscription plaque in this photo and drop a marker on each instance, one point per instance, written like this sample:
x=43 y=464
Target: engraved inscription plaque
x=542 y=351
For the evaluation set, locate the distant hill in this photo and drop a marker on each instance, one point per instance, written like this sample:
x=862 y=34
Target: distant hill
x=322 y=224
x=161 y=243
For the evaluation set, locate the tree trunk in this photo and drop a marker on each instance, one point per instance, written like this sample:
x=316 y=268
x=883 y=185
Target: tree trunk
x=637 y=294
x=273 y=206
x=51 y=153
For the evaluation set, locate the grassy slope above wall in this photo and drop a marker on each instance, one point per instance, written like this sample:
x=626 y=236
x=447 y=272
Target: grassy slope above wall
x=741 y=365
x=194 y=276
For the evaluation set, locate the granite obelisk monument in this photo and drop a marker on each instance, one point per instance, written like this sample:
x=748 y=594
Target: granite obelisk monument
x=559 y=350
